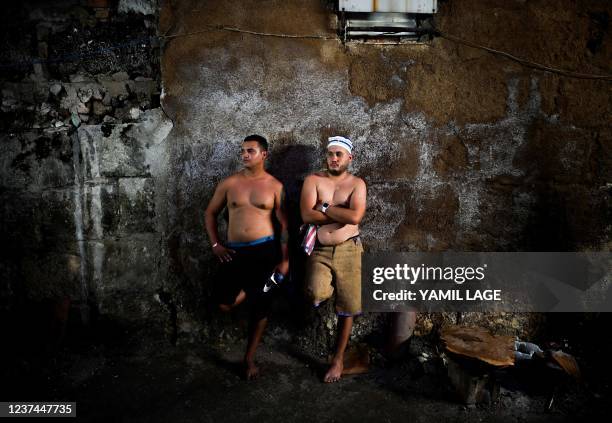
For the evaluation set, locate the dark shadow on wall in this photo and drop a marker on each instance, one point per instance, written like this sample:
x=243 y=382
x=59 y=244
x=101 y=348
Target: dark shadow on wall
x=548 y=228
x=290 y=164
x=563 y=169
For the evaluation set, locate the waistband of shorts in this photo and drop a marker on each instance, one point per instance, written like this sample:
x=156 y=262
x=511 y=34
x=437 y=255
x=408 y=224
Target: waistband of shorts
x=354 y=238
x=250 y=243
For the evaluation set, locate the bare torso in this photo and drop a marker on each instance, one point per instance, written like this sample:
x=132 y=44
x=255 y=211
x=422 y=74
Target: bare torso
x=250 y=202
x=336 y=193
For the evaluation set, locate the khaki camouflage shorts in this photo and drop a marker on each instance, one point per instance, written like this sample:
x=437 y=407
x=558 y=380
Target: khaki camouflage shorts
x=339 y=267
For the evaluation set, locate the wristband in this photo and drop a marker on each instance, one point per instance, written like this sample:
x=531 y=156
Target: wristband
x=215 y=244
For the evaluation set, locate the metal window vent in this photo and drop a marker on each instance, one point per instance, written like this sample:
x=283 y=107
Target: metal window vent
x=373 y=19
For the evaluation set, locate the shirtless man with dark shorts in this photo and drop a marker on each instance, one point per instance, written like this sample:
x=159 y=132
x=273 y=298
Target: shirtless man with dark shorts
x=335 y=200
x=251 y=254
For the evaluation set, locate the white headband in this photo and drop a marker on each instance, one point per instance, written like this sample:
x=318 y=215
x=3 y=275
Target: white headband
x=340 y=142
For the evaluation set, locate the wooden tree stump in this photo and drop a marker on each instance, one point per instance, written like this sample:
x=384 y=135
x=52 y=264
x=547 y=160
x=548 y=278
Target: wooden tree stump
x=473 y=354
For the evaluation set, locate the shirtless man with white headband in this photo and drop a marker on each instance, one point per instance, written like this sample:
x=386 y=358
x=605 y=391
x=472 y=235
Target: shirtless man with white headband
x=335 y=200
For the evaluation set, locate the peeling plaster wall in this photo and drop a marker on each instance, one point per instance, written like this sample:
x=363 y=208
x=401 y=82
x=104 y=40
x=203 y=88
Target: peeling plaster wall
x=461 y=149
x=109 y=153
x=83 y=164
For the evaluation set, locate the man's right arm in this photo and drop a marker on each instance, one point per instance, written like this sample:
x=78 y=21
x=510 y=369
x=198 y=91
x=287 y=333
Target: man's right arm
x=216 y=204
x=308 y=201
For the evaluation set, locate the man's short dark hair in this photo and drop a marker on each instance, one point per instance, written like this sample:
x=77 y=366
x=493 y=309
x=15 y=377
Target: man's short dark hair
x=263 y=143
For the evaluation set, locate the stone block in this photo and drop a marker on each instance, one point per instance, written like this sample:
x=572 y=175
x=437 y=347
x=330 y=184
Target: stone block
x=35 y=161
x=144 y=88
x=113 y=87
x=144 y=7
x=129 y=207
x=108 y=151
x=100 y=109
x=125 y=150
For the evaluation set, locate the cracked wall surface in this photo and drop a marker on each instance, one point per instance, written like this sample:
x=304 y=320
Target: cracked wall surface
x=83 y=161
x=461 y=149
x=119 y=118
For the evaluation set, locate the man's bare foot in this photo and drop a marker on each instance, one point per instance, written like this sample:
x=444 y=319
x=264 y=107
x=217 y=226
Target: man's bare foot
x=239 y=299
x=251 y=371
x=335 y=372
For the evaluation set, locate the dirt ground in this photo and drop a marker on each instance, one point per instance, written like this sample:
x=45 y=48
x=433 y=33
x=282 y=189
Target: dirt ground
x=139 y=380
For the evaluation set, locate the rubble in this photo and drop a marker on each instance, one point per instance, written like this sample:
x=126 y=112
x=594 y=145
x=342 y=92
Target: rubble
x=145 y=7
x=85 y=94
x=55 y=89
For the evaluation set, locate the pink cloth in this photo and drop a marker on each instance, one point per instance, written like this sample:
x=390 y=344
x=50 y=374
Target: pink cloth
x=310 y=237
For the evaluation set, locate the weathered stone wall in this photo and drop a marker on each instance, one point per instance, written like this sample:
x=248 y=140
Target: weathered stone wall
x=103 y=192
x=83 y=160
x=461 y=149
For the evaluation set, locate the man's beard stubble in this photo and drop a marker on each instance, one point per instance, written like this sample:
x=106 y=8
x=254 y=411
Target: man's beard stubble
x=337 y=172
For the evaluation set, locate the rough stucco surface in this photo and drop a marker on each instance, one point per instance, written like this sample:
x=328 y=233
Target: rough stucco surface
x=460 y=149
x=103 y=188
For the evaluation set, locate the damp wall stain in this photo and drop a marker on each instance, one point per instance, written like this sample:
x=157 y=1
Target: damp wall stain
x=446 y=135
x=109 y=156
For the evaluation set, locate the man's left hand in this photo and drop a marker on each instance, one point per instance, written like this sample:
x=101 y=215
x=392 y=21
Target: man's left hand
x=319 y=206
x=282 y=267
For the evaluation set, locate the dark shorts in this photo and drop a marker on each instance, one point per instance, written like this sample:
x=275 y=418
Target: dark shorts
x=250 y=268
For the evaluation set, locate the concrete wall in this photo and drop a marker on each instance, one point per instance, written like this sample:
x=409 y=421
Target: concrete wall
x=82 y=161
x=110 y=150
x=461 y=149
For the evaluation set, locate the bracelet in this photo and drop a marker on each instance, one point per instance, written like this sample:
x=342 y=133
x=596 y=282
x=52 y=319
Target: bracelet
x=215 y=244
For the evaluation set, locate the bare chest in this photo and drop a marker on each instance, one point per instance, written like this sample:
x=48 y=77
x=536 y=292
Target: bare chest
x=334 y=193
x=251 y=194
